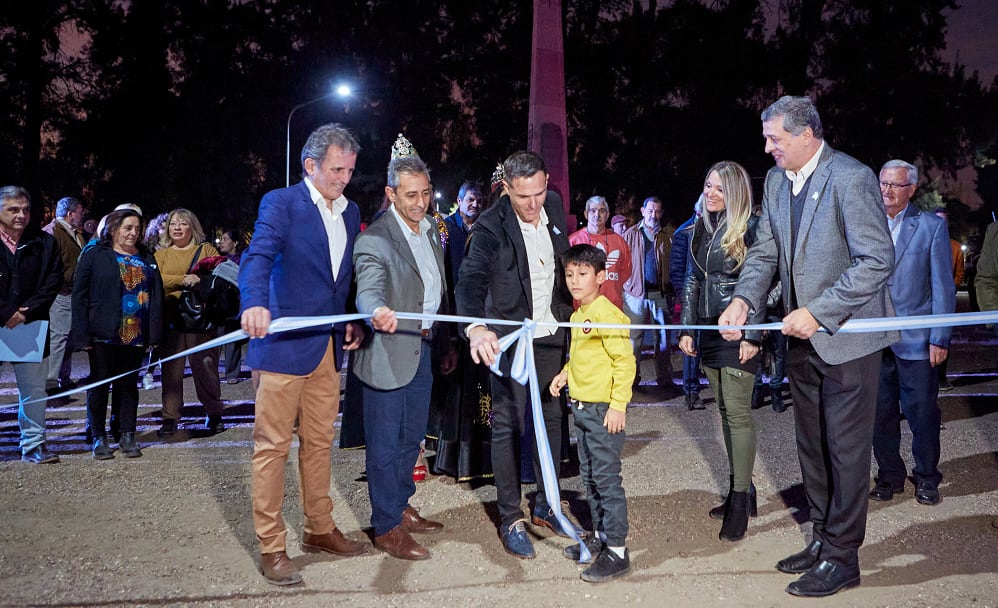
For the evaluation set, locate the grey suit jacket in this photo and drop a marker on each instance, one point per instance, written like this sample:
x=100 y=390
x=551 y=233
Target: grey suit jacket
x=843 y=255
x=387 y=275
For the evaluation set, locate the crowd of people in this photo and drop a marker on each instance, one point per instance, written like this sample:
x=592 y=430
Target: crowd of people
x=830 y=241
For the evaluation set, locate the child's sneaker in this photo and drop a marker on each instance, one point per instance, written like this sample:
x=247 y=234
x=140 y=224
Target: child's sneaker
x=594 y=544
x=607 y=567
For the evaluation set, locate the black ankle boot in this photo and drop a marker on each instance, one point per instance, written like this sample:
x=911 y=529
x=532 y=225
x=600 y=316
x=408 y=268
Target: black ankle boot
x=129 y=449
x=736 y=517
x=102 y=451
x=718 y=511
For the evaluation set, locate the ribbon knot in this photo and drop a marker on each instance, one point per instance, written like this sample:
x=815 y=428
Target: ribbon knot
x=523 y=370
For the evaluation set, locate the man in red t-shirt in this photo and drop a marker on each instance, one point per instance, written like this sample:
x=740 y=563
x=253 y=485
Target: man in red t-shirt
x=618 y=254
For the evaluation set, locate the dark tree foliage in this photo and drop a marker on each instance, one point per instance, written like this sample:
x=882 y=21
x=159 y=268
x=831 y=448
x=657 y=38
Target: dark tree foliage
x=186 y=102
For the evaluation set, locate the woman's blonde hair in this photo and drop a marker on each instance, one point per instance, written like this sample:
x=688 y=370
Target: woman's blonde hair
x=737 y=188
x=197 y=232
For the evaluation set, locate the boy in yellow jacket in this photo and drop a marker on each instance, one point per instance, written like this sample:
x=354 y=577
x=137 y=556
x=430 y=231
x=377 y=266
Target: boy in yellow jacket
x=599 y=373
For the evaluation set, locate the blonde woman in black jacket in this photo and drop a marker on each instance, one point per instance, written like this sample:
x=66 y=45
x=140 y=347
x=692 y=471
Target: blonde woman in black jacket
x=721 y=237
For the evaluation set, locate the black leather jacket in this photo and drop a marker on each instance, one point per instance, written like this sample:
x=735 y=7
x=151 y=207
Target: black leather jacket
x=713 y=277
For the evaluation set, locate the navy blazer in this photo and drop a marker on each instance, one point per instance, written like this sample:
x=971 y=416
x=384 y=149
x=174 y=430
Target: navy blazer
x=922 y=281
x=494 y=279
x=286 y=269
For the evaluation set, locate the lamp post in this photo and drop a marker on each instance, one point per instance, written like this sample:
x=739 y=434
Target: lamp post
x=342 y=91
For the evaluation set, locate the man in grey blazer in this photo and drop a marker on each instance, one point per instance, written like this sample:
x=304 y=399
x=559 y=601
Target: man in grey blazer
x=399 y=265
x=922 y=284
x=824 y=232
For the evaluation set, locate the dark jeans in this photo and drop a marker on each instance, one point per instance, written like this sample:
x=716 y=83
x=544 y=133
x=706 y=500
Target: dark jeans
x=599 y=467
x=913 y=385
x=109 y=360
x=835 y=410
x=509 y=404
x=776 y=343
x=394 y=424
x=691 y=374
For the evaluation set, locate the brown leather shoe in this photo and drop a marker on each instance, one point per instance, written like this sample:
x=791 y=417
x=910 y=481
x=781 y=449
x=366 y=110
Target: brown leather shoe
x=397 y=543
x=278 y=569
x=413 y=522
x=332 y=542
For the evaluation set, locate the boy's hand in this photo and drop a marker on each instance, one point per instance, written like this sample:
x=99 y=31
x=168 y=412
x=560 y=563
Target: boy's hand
x=614 y=420
x=558 y=383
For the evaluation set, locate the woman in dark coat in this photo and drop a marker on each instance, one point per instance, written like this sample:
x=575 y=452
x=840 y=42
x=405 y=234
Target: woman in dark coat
x=117 y=312
x=721 y=237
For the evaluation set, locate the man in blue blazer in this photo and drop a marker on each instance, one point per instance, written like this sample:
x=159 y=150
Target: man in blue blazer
x=299 y=264
x=823 y=233
x=921 y=284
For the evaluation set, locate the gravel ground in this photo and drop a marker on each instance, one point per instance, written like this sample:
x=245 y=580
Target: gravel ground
x=174 y=527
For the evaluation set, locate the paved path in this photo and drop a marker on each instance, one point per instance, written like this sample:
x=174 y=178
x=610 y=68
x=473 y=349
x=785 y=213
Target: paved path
x=173 y=528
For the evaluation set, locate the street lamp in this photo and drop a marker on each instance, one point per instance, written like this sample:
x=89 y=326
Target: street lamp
x=343 y=91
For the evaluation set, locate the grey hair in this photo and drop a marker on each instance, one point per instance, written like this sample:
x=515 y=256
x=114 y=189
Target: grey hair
x=900 y=164
x=13 y=193
x=652 y=199
x=405 y=164
x=67 y=205
x=466 y=187
x=798 y=114
x=523 y=164
x=332 y=134
x=597 y=200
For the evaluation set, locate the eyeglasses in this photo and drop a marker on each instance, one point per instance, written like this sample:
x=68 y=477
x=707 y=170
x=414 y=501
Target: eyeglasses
x=891 y=186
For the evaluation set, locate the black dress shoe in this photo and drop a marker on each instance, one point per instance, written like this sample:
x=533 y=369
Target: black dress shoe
x=826 y=578
x=168 y=429
x=927 y=493
x=693 y=402
x=801 y=561
x=758 y=398
x=884 y=491
x=214 y=423
x=40 y=455
x=778 y=405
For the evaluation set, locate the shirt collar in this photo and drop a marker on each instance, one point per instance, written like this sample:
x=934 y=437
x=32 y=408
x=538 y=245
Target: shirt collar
x=339 y=204
x=900 y=214
x=424 y=223
x=66 y=225
x=523 y=224
x=808 y=168
x=7 y=238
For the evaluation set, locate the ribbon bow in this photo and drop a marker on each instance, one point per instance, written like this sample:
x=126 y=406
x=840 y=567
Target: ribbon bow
x=523 y=370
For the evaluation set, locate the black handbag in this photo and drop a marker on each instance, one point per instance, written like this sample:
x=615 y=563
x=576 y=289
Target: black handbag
x=188 y=312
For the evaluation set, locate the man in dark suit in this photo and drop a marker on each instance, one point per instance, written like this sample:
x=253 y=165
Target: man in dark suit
x=823 y=230
x=921 y=284
x=399 y=264
x=299 y=264
x=513 y=271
